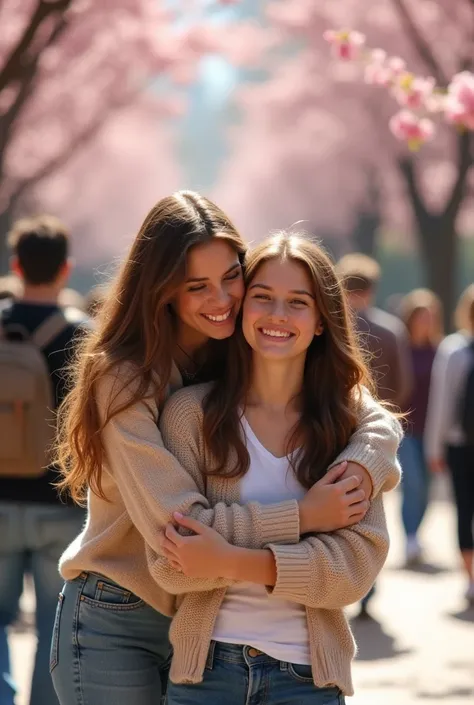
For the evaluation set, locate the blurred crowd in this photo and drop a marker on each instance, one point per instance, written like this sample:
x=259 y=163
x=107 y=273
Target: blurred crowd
x=428 y=376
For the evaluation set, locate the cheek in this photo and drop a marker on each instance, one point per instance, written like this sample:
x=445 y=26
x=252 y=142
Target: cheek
x=237 y=291
x=250 y=315
x=185 y=306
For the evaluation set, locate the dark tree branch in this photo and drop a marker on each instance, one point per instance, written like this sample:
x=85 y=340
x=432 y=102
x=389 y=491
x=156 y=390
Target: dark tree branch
x=420 y=43
x=76 y=142
x=407 y=169
x=8 y=120
x=18 y=61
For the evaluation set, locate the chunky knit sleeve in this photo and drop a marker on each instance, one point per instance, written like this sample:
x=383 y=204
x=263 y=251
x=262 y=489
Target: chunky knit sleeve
x=374 y=444
x=331 y=571
x=152 y=482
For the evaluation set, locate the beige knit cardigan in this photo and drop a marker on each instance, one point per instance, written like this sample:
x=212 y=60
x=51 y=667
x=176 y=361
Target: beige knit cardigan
x=145 y=482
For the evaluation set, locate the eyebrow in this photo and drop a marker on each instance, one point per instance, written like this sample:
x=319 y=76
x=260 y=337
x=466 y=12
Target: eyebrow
x=205 y=279
x=301 y=292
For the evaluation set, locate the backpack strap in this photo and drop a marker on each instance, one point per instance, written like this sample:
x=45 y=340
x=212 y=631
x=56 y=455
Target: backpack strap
x=47 y=331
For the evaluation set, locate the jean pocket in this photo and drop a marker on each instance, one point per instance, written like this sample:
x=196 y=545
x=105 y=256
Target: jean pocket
x=109 y=595
x=300 y=672
x=54 y=654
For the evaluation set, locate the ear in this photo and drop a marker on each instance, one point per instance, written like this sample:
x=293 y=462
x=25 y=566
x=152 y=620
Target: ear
x=65 y=271
x=319 y=328
x=15 y=267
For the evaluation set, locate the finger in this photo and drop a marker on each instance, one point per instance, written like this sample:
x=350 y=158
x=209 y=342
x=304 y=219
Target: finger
x=169 y=548
x=334 y=474
x=359 y=510
x=172 y=535
x=355 y=496
x=348 y=484
x=190 y=523
x=177 y=566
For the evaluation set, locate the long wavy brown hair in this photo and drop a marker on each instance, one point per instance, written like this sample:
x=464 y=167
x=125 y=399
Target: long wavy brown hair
x=334 y=374
x=136 y=324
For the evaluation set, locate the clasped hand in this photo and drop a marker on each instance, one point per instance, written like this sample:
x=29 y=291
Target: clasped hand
x=338 y=500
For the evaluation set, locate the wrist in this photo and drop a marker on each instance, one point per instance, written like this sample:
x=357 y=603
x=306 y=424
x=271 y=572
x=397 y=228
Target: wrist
x=230 y=562
x=307 y=523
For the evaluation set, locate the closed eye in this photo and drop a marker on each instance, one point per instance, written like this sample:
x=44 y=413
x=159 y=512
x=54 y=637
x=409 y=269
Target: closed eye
x=261 y=297
x=197 y=287
x=298 y=302
x=234 y=275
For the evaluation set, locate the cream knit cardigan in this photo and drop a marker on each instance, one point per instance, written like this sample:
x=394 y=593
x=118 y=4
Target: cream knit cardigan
x=145 y=482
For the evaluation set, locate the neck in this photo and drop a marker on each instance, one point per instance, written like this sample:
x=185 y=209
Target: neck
x=190 y=340
x=419 y=341
x=276 y=384
x=39 y=294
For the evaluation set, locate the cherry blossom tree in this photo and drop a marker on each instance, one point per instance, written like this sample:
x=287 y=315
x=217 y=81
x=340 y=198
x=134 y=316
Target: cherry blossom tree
x=68 y=66
x=326 y=151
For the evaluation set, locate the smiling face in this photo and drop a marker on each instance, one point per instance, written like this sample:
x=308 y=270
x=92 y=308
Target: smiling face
x=280 y=316
x=208 y=301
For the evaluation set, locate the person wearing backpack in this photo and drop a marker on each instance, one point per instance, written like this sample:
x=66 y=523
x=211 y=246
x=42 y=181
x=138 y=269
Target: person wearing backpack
x=36 y=342
x=449 y=433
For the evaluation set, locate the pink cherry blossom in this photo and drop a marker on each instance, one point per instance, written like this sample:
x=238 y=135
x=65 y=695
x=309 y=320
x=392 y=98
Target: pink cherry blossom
x=411 y=91
x=459 y=104
x=346 y=44
x=408 y=127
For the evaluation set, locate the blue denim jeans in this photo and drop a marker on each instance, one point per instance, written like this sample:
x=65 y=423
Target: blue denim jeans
x=109 y=647
x=415 y=483
x=32 y=539
x=237 y=675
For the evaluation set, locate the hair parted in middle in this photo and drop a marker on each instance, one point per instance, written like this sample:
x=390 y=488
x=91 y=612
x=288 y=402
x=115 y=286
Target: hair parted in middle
x=335 y=372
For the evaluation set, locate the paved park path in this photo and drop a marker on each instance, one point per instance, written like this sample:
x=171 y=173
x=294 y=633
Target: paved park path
x=419 y=649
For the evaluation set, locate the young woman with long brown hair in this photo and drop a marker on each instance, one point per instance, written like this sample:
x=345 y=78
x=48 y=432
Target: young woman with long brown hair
x=165 y=321
x=272 y=630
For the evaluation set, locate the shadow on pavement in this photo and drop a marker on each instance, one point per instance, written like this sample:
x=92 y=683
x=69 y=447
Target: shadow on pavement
x=460 y=692
x=466 y=615
x=373 y=643
x=425 y=569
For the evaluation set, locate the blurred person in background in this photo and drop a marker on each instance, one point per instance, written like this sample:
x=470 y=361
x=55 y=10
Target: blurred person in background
x=421 y=312
x=449 y=435
x=166 y=322
x=36 y=525
x=10 y=288
x=382 y=335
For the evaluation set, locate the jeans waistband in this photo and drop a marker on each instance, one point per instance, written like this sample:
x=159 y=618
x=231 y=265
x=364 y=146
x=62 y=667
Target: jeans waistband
x=237 y=653
x=90 y=585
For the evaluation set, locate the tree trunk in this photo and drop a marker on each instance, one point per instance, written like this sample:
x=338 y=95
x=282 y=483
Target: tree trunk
x=439 y=242
x=6 y=220
x=365 y=232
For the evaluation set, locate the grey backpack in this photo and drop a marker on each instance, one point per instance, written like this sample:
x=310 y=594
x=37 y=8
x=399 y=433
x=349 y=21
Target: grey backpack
x=27 y=419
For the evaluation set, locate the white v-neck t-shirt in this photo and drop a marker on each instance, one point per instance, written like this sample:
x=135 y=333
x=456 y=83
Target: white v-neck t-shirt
x=248 y=615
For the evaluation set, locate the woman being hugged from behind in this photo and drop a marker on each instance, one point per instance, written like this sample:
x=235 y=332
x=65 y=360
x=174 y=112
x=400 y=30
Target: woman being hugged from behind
x=268 y=624
x=166 y=321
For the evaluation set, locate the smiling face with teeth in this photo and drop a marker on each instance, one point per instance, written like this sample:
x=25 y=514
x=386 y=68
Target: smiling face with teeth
x=280 y=315
x=208 y=301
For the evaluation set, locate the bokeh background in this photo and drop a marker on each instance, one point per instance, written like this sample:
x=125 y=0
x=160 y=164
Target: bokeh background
x=107 y=106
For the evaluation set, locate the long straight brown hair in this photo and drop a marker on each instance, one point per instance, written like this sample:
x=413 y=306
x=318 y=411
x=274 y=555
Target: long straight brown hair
x=135 y=325
x=333 y=376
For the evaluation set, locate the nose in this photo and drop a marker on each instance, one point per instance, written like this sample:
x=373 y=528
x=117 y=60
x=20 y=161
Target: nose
x=222 y=297
x=279 y=312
